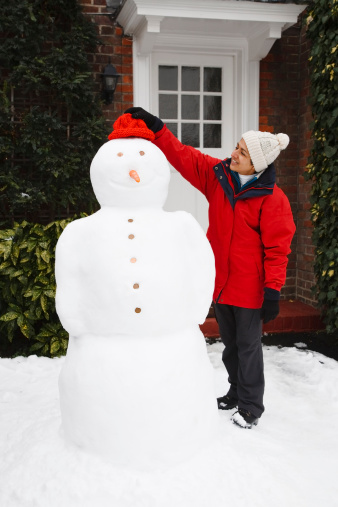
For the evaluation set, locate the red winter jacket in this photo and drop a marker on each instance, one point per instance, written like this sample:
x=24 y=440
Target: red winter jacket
x=250 y=228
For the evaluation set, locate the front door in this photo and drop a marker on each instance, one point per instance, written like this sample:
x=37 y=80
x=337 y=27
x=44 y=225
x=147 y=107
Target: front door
x=194 y=96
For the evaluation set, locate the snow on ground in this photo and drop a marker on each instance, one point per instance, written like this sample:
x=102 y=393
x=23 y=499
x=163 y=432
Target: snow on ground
x=289 y=460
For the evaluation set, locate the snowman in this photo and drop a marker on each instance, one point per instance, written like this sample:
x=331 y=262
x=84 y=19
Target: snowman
x=133 y=284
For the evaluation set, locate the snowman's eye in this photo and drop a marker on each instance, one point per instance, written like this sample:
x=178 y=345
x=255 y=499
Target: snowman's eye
x=142 y=153
x=120 y=154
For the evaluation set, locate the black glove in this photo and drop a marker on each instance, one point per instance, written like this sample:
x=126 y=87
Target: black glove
x=270 y=307
x=153 y=123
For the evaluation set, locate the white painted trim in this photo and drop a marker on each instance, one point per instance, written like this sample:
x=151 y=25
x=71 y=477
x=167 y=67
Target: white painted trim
x=133 y=10
x=253 y=96
x=141 y=74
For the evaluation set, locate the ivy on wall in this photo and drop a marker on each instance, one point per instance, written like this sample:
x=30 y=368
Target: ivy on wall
x=322 y=23
x=51 y=122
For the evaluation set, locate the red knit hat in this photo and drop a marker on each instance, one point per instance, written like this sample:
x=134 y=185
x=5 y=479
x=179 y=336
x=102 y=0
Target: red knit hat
x=127 y=126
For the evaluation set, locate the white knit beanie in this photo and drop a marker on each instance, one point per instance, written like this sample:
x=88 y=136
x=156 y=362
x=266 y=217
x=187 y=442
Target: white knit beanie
x=264 y=147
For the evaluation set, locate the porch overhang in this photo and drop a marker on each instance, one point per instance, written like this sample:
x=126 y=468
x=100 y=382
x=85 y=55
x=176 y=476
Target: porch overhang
x=258 y=23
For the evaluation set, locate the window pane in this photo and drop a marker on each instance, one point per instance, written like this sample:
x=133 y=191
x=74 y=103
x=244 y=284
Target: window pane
x=168 y=106
x=212 y=107
x=190 y=79
x=191 y=134
x=212 y=79
x=172 y=127
x=212 y=136
x=190 y=107
x=167 y=77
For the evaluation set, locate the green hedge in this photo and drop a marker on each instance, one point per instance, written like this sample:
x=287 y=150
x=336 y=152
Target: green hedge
x=28 y=320
x=322 y=23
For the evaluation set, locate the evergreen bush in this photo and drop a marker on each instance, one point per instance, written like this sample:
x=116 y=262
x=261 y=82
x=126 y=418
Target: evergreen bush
x=28 y=320
x=51 y=122
x=322 y=23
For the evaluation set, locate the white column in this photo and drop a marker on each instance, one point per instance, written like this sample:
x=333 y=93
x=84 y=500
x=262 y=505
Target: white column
x=253 y=96
x=141 y=78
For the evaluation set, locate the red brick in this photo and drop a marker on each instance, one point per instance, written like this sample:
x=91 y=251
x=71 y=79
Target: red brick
x=127 y=79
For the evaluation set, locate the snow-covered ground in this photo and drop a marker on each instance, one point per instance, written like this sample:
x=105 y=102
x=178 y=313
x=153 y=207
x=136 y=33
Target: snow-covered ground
x=289 y=460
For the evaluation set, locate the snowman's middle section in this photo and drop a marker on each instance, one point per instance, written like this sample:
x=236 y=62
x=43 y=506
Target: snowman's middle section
x=140 y=269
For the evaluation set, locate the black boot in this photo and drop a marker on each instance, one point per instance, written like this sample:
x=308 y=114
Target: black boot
x=244 y=419
x=226 y=402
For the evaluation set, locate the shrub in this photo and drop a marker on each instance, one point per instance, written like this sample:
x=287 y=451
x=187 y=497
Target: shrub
x=28 y=321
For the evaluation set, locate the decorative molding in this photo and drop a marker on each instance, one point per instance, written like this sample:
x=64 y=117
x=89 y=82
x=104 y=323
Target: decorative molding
x=134 y=10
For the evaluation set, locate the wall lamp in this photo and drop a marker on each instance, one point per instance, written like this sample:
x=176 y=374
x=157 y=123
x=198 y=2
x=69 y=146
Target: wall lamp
x=113 y=8
x=109 y=82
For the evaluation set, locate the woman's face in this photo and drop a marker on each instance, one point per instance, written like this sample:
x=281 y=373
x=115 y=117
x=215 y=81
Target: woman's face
x=240 y=159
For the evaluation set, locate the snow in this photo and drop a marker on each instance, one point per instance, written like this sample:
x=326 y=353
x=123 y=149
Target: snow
x=300 y=345
x=288 y=460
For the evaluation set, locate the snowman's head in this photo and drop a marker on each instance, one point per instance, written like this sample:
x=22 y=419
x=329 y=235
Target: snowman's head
x=130 y=172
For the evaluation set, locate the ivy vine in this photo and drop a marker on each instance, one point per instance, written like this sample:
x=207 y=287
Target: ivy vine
x=51 y=122
x=322 y=22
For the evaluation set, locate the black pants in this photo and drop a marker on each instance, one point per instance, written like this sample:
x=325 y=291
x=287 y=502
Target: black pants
x=241 y=331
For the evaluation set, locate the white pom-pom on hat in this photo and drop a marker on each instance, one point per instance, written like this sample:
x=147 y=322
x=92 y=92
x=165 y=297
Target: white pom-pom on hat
x=264 y=147
x=283 y=140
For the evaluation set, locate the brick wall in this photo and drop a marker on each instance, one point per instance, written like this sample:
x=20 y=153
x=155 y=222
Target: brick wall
x=305 y=249
x=284 y=88
x=117 y=47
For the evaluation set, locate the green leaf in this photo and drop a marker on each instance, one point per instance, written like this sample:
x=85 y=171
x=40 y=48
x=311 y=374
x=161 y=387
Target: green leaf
x=330 y=151
x=25 y=328
x=15 y=252
x=49 y=293
x=36 y=293
x=44 y=306
x=9 y=316
x=17 y=273
x=7 y=234
x=54 y=348
x=45 y=256
x=36 y=346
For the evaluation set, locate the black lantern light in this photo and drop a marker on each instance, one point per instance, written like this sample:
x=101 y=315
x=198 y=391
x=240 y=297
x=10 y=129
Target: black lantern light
x=109 y=82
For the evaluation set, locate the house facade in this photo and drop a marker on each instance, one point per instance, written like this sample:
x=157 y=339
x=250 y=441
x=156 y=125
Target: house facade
x=212 y=70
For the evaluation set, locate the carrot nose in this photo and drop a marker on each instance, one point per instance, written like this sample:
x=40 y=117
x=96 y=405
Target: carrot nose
x=133 y=174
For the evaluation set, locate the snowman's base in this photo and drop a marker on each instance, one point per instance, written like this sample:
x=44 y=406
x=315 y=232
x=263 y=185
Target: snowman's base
x=139 y=400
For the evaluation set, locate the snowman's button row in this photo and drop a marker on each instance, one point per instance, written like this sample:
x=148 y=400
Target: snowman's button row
x=133 y=260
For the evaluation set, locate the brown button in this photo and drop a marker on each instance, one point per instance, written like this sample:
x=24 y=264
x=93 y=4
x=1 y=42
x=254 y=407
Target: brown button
x=137 y=310
x=136 y=286
x=130 y=220
x=133 y=259
x=131 y=236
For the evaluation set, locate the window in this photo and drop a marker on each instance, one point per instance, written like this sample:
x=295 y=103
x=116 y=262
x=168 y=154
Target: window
x=190 y=103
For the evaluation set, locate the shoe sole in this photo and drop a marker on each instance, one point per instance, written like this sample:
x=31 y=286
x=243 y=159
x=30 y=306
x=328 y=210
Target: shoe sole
x=227 y=407
x=248 y=427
